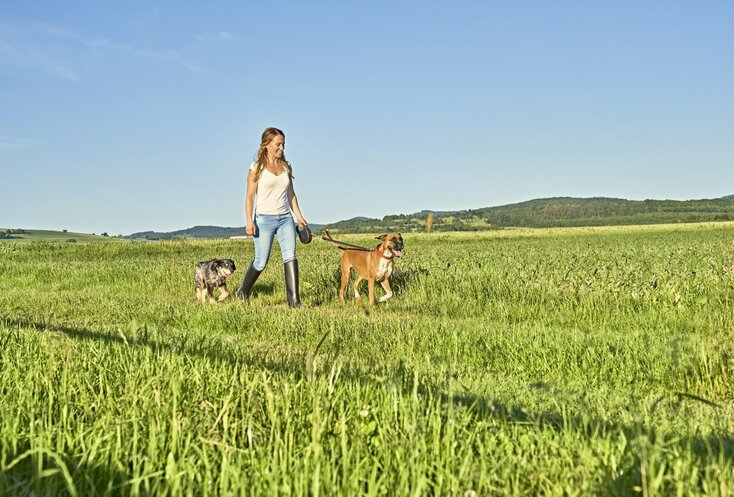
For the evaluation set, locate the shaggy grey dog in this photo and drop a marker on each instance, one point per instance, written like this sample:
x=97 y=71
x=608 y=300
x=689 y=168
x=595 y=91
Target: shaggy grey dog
x=210 y=275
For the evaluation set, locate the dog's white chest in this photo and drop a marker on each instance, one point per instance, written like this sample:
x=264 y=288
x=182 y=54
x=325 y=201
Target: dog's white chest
x=384 y=269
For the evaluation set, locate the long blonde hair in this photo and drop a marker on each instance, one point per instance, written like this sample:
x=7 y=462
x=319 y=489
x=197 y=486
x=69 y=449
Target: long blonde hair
x=262 y=153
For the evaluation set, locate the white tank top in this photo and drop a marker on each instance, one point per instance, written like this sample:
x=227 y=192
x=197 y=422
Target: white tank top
x=272 y=192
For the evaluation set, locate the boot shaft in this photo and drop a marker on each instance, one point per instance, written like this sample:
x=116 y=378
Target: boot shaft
x=291 y=283
x=251 y=276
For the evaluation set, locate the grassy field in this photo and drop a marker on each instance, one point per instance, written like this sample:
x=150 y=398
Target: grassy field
x=517 y=362
x=55 y=236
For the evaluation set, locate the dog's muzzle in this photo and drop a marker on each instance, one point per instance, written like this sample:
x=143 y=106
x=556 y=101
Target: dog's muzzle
x=397 y=250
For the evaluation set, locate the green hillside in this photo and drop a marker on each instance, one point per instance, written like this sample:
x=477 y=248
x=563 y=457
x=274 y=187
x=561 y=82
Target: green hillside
x=195 y=232
x=24 y=235
x=200 y=232
x=538 y=213
x=552 y=212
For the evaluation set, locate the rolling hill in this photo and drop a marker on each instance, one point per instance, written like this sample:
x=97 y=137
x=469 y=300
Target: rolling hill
x=552 y=212
x=537 y=213
x=201 y=232
x=195 y=232
x=28 y=235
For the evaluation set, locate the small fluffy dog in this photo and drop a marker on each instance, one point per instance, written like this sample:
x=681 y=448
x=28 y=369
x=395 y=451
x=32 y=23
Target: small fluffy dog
x=374 y=265
x=210 y=275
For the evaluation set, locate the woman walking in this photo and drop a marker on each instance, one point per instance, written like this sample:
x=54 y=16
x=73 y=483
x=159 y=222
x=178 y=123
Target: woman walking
x=270 y=206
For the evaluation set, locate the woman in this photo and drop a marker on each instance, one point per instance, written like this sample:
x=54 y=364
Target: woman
x=271 y=197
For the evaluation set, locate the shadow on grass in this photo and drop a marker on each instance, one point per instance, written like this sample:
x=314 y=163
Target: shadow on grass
x=642 y=440
x=706 y=450
x=262 y=289
x=214 y=348
x=401 y=278
x=42 y=472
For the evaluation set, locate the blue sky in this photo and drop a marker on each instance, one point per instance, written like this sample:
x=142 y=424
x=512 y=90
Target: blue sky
x=144 y=115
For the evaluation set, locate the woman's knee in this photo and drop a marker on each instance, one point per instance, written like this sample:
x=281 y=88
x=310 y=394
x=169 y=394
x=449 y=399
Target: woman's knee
x=288 y=249
x=287 y=241
x=261 y=258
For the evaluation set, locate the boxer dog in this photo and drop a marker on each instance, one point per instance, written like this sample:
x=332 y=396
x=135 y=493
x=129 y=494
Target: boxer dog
x=374 y=265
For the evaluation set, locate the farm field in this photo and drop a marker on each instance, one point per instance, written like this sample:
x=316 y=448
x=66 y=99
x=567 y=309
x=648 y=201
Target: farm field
x=54 y=236
x=579 y=361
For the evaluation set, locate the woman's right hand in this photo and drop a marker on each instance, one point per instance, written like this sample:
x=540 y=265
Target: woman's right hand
x=250 y=229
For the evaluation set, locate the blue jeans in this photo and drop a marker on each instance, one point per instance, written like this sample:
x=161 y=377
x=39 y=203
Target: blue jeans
x=266 y=227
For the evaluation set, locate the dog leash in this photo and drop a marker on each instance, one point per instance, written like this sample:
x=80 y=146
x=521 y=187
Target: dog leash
x=344 y=246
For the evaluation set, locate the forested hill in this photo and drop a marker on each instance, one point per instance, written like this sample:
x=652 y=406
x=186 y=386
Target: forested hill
x=551 y=212
x=199 y=232
x=539 y=213
x=195 y=232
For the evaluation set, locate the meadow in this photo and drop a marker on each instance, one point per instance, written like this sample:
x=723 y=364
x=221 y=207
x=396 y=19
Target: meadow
x=580 y=361
x=53 y=236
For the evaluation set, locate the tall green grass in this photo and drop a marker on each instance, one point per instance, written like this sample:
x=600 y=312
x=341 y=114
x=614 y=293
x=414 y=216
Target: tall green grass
x=517 y=362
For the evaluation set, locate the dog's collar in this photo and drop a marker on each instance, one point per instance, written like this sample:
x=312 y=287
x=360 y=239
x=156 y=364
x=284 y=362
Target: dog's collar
x=392 y=256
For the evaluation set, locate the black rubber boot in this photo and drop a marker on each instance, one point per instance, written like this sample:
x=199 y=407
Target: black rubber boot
x=291 y=283
x=243 y=292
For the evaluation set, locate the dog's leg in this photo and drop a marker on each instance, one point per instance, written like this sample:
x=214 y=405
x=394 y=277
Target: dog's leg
x=209 y=293
x=222 y=293
x=388 y=291
x=345 y=279
x=371 y=290
x=356 y=287
x=198 y=294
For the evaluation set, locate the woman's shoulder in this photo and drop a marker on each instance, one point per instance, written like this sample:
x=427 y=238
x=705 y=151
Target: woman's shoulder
x=253 y=166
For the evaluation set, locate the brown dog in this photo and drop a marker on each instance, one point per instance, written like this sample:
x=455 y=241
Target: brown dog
x=374 y=265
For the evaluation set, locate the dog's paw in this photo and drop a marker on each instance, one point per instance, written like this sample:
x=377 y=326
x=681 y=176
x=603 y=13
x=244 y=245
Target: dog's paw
x=385 y=297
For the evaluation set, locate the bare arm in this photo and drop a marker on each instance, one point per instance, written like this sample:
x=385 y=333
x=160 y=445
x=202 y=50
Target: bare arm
x=294 y=206
x=250 y=203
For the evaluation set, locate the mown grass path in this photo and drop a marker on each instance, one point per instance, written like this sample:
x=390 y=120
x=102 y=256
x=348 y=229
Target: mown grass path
x=517 y=362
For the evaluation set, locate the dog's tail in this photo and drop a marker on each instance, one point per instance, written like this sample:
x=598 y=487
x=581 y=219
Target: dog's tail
x=327 y=236
x=341 y=245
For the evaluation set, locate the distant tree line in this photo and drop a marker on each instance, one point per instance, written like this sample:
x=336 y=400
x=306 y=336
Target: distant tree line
x=8 y=234
x=195 y=232
x=551 y=212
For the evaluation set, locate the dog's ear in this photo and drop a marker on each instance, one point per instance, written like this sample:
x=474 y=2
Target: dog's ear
x=382 y=237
